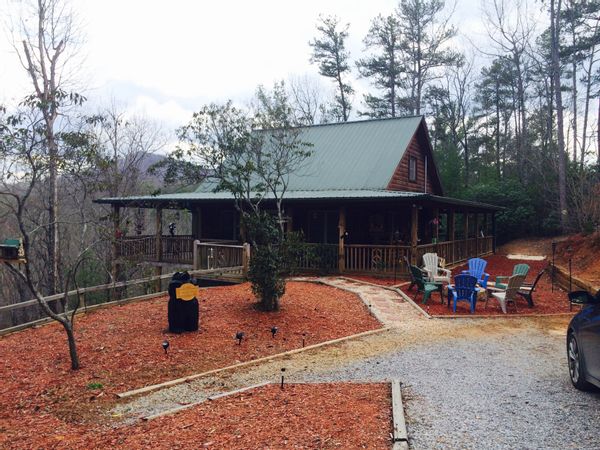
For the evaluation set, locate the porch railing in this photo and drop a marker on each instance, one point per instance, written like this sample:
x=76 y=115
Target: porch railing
x=388 y=259
x=214 y=256
x=384 y=259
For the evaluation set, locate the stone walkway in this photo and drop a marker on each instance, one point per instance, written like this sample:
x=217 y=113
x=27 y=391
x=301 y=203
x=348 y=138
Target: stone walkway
x=388 y=306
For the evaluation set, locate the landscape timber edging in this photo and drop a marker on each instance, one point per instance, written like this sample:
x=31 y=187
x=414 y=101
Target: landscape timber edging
x=400 y=435
x=561 y=278
x=211 y=398
x=155 y=387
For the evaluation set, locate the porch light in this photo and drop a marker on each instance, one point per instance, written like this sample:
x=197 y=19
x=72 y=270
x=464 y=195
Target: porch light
x=282 y=376
x=239 y=336
x=344 y=236
x=274 y=331
x=165 y=346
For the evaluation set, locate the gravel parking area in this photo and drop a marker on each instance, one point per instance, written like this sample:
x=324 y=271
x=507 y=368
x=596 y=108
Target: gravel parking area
x=503 y=390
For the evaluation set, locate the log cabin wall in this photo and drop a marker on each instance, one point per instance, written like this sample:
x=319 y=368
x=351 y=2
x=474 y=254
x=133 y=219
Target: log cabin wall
x=400 y=180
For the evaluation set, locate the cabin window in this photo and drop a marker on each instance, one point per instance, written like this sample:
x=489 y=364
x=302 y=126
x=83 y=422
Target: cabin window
x=412 y=169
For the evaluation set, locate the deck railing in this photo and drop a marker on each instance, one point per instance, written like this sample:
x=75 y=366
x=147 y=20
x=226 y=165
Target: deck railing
x=384 y=259
x=388 y=259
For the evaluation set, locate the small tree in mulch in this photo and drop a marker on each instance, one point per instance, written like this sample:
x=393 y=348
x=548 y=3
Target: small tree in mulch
x=250 y=154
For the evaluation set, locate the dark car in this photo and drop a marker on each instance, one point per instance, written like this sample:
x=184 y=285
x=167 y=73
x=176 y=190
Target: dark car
x=583 y=342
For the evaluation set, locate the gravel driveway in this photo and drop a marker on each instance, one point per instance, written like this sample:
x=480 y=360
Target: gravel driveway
x=507 y=389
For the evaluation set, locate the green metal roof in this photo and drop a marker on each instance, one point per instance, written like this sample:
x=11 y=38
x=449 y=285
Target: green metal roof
x=351 y=155
x=350 y=160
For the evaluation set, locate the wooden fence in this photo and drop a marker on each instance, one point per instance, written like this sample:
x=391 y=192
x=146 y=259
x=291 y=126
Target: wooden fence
x=97 y=295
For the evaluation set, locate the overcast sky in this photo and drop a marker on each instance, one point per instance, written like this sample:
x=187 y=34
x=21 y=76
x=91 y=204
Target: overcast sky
x=167 y=58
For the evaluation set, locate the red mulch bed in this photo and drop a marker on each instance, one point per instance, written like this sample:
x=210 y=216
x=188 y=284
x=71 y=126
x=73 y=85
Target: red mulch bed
x=546 y=301
x=120 y=348
x=348 y=416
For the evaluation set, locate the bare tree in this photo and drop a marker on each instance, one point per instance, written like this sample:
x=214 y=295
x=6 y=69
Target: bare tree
x=555 y=8
x=25 y=164
x=48 y=40
x=311 y=104
x=511 y=31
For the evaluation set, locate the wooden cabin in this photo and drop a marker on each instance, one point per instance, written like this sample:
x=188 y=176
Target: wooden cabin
x=369 y=195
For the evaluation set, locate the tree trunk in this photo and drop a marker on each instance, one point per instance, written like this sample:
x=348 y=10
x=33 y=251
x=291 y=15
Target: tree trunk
x=562 y=163
x=68 y=326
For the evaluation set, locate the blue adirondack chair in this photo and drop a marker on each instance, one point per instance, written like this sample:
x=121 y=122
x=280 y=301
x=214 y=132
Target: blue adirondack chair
x=463 y=289
x=477 y=270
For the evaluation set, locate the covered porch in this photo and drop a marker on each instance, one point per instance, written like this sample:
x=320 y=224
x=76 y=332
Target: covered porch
x=343 y=235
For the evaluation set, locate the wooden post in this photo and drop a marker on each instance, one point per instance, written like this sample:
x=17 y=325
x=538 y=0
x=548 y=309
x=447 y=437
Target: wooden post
x=246 y=259
x=115 y=247
x=436 y=213
x=477 y=234
x=341 y=239
x=197 y=223
x=158 y=235
x=451 y=221
x=494 y=230
x=466 y=233
x=158 y=269
x=289 y=225
x=158 y=273
x=414 y=229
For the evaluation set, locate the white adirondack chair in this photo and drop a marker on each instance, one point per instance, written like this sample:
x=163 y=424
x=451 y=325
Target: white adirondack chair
x=509 y=295
x=435 y=273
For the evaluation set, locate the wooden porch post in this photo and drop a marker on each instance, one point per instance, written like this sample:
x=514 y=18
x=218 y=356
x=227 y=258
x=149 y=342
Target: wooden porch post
x=289 y=225
x=466 y=233
x=436 y=213
x=451 y=221
x=116 y=217
x=414 y=228
x=197 y=223
x=341 y=238
x=477 y=234
x=494 y=232
x=158 y=244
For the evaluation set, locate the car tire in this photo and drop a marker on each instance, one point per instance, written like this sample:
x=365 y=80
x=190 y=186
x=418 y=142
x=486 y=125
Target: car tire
x=576 y=365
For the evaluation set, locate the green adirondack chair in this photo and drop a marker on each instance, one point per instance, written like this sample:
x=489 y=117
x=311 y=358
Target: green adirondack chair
x=423 y=286
x=519 y=269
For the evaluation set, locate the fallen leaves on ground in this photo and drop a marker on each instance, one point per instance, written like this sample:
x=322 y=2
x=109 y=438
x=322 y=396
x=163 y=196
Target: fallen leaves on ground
x=120 y=349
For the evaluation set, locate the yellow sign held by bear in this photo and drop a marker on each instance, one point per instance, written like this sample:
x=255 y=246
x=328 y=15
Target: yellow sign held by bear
x=186 y=291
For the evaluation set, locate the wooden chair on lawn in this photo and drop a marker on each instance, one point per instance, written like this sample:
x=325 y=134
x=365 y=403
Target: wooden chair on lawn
x=435 y=273
x=508 y=295
x=527 y=291
x=519 y=269
x=425 y=287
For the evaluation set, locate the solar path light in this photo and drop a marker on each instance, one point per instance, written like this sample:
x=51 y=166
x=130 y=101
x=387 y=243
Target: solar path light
x=239 y=336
